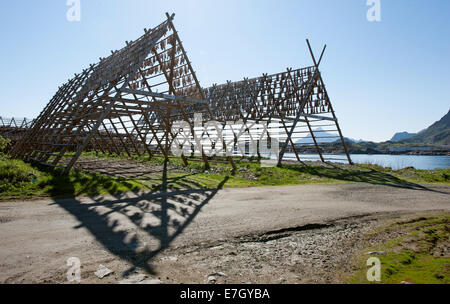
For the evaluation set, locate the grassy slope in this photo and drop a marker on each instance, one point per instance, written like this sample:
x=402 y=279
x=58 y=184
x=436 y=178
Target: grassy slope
x=20 y=180
x=419 y=255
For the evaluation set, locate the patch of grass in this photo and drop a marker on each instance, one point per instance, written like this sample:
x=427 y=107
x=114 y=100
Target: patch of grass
x=22 y=180
x=293 y=174
x=249 y=173
x=252 y=174
x=437 y=176
x=419 y=256
x=18 y=179
x=441 y=176
x=78 y=182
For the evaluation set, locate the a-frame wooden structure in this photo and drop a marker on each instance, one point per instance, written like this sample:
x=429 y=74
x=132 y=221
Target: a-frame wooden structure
x=14 y=128
x=124 y=103
x=296 y=102
x=128 y=102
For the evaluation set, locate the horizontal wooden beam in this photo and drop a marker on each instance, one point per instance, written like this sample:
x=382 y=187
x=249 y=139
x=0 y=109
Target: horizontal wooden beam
x=165 y=96
x=318 y=117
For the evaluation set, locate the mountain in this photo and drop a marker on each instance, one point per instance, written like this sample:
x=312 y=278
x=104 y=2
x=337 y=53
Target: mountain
x=308 y=138
x=351 y=140
x=438 y=133
x=402 y=135
x=331 y=139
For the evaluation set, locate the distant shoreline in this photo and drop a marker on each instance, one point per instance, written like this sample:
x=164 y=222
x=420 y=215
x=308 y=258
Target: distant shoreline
x=418 y=153
x=376 y=149
x=410 y=153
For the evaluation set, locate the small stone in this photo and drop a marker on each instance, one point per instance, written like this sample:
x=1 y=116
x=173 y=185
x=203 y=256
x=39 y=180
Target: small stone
x=219 y=274
x=134 y=279
x=212 y=280
x=151 y=281
x=102 y=271
x=377 y=253
x=216 y=247
x=405 y=282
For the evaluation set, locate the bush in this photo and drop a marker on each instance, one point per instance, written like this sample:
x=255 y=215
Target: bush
x=15 y=174
x=3 y=144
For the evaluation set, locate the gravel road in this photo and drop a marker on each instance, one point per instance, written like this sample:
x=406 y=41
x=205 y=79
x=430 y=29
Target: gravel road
x=259 y=235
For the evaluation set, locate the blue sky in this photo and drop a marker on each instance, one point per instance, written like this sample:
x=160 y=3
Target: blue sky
x=382 y=77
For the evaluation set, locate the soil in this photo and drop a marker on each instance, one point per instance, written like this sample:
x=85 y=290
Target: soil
x=293 y=234
x=125 y=168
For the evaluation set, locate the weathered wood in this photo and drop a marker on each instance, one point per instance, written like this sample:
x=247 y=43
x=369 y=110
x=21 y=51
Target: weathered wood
x=130 y=100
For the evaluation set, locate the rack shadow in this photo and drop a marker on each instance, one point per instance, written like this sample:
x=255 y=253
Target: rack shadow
x=137 y=228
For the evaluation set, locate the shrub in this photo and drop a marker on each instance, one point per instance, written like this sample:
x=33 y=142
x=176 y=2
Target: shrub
x=15 y=174
x=3 y=144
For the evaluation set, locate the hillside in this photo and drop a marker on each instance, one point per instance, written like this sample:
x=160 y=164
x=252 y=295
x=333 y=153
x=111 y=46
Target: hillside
x=326 y=137
x=319 y=134
x=431 y=141
x=438 y=133
x=402 y=135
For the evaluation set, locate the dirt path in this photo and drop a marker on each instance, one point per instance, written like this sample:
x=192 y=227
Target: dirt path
x=259 y=235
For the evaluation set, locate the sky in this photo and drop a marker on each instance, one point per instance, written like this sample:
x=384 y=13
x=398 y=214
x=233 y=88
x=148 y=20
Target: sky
x=382 y=77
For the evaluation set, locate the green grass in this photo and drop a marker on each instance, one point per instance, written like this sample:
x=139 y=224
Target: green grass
x=3 y=144
x=253 y=174
x=417 y=256
x=21 y=180
x=17 y=176
x=437 y=176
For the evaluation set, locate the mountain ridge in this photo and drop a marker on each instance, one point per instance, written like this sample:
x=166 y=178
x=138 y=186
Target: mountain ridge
x=402 y=135
x=438 y=133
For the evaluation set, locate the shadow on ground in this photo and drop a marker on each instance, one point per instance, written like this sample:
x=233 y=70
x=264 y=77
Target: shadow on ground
x=125 y=168
x=368 y=175
x=137 y=227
